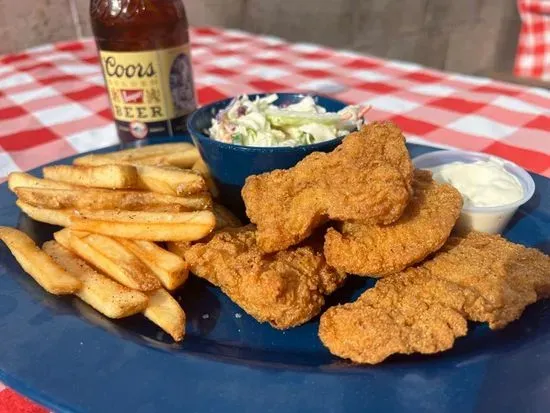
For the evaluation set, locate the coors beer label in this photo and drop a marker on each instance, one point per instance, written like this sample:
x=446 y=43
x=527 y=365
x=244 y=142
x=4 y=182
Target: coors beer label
x=151 y=92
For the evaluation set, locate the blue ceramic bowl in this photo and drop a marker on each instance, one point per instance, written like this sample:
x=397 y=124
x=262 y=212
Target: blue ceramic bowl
x=230 y=164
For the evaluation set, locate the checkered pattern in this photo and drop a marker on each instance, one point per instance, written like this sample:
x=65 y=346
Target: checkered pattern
x=533 y=54
x=53 y=102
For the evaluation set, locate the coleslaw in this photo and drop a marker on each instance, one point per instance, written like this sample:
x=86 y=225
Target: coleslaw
x=259 y=122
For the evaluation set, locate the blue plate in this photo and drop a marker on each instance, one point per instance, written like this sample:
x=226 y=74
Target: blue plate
x=67 y=357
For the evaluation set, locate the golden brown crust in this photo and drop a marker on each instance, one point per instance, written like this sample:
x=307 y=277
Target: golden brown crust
x=480 y=277
x=367 y=179
x=378 y=250
x=285 y=289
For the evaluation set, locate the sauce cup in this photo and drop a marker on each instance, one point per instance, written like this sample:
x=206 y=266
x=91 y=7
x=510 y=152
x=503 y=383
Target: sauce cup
x=231 y=164
x=492 y=220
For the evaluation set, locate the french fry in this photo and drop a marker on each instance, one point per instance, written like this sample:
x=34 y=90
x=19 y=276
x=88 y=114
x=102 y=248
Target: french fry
x=178 y=247
x=172 y=209
x=181 y=159
x=114 y=215
x=170 y=180
x=170 y=269
x=109 y=256
x=92 y=199
x=133 y=154
x=135 y=274
x=63 y=237
x=100 y=292
x=22 y=179
x=38 y=264
x=145 y=231
x=164 y=311
x=224 y=217
x=149 y=226
x=164 y=259
x=152 y=150
x=59 y=217
x=103 y=176
x=201 y=167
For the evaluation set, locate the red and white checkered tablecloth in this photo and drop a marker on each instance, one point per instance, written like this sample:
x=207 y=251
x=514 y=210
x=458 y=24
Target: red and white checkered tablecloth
x=53 y=102
x=533 y=53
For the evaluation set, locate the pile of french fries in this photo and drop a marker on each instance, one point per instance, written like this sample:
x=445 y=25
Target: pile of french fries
x=128 y=217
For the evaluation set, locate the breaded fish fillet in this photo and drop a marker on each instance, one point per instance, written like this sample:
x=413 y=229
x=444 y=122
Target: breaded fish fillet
x=480 y=277
x=285 y=289
x=379 y=250
x=367 y=178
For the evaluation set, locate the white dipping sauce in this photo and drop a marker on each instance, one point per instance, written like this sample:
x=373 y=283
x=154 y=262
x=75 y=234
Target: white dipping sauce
x=481 y=183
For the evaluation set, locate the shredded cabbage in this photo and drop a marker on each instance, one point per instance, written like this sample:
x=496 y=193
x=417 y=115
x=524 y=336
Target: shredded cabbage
x=261 y=123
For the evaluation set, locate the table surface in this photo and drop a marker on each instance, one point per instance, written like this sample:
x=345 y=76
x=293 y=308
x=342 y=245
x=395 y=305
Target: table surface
x=53 y=102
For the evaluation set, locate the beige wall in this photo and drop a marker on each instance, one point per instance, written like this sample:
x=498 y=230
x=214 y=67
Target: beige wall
x=473 y=36
x=26 y=23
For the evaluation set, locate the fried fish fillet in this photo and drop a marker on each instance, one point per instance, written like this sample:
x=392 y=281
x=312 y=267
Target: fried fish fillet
x=480 y=277
x=285 y=289
x=367 y=178
x=379 y=250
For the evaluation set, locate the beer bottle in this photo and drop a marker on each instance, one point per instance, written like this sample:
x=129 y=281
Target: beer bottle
x=144 y=52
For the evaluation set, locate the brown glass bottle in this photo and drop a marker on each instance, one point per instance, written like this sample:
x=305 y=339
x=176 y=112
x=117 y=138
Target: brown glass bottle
x=144 y=53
